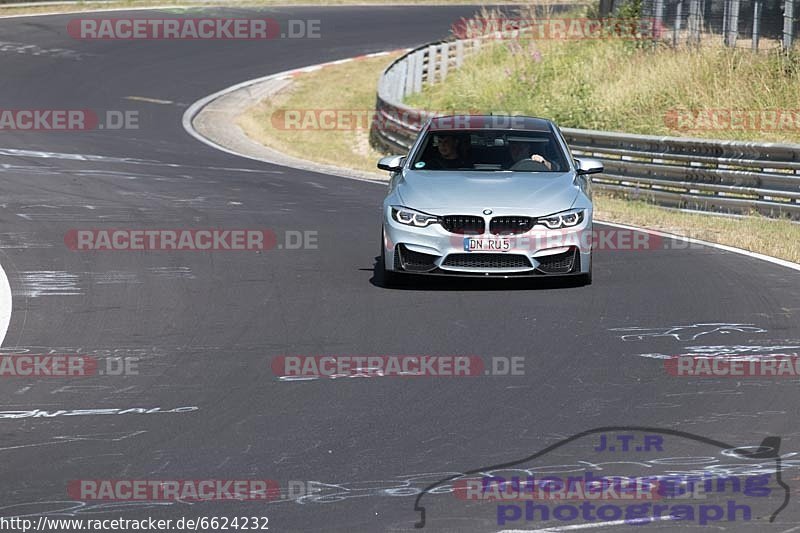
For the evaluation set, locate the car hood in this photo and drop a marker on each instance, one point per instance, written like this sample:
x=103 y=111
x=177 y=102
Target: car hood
x=541 y=193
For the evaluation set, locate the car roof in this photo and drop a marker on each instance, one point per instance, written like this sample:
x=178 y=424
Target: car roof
x=489 y=122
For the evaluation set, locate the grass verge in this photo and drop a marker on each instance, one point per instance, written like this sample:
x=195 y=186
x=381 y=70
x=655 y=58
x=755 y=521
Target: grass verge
x=350 y=148
x=778 y=238
x=313 y=96
x=615 y=85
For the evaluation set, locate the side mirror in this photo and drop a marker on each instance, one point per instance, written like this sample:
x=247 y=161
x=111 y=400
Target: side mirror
x=589 y=166
x=392 y=163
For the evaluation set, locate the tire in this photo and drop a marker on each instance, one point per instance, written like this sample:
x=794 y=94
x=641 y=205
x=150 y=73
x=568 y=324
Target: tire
x=388 y=277
x=586 y=279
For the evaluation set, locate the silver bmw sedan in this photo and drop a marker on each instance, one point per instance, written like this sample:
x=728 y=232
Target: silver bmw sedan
x=490 y=196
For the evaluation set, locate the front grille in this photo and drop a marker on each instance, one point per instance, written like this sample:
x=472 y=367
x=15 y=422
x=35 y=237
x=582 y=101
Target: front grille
x=473 y=260
x=557 y=263
x=510 y=225
x=465 y=224
x=412 y=261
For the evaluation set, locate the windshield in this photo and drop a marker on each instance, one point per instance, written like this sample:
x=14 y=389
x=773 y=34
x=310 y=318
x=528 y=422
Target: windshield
x=490 y=150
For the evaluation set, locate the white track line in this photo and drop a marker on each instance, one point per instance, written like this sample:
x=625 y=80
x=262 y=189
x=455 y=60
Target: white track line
x=5 y=304
x=197 y=106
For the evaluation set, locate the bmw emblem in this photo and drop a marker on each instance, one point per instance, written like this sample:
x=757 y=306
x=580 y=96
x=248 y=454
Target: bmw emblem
x=487 y=211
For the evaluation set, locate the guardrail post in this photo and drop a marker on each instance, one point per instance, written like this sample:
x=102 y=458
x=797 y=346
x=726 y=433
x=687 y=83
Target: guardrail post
x=756 y=24
x=694 y=22
x=408 y=75
x=418 y=60
x=459 y=53
x=430 y=71
x=658 y=19
x=732 y=22
x=399 y=84
x=444 y=61
x=725 y=11
x=677 y=28
x=788 y=24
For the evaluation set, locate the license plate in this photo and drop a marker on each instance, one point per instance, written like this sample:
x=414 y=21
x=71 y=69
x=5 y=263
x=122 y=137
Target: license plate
x=486 y=245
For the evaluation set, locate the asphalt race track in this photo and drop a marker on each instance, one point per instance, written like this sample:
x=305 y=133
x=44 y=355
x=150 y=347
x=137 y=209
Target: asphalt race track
x=204 y=327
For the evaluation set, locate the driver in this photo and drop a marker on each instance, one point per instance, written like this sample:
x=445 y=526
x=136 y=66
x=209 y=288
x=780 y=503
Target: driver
x=524 y=151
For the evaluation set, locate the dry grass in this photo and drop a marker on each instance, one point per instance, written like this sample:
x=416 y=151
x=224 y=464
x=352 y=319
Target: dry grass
x=778 y=238
x=317 y=92
x=616 y=86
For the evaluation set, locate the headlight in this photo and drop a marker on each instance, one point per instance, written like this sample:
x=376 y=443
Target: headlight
x=566 y=219
x=410 y=217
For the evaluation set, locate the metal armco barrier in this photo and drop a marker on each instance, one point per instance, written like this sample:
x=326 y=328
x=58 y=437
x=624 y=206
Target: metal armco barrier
x=725 y=176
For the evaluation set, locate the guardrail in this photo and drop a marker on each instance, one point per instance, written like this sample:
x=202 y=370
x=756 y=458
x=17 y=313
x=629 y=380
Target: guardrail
x=727 y=176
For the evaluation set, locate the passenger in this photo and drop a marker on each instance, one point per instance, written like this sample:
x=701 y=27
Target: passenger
x=451 y=153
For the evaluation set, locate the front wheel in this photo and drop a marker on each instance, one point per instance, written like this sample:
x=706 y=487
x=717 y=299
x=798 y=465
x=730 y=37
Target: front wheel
x=388 y=277
x=586 y=279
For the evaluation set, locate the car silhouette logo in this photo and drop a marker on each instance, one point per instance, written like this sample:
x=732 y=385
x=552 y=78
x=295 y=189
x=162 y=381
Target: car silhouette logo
x=768 y=450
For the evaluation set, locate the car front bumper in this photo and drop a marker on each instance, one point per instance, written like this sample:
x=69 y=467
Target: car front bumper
x=538 y=252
